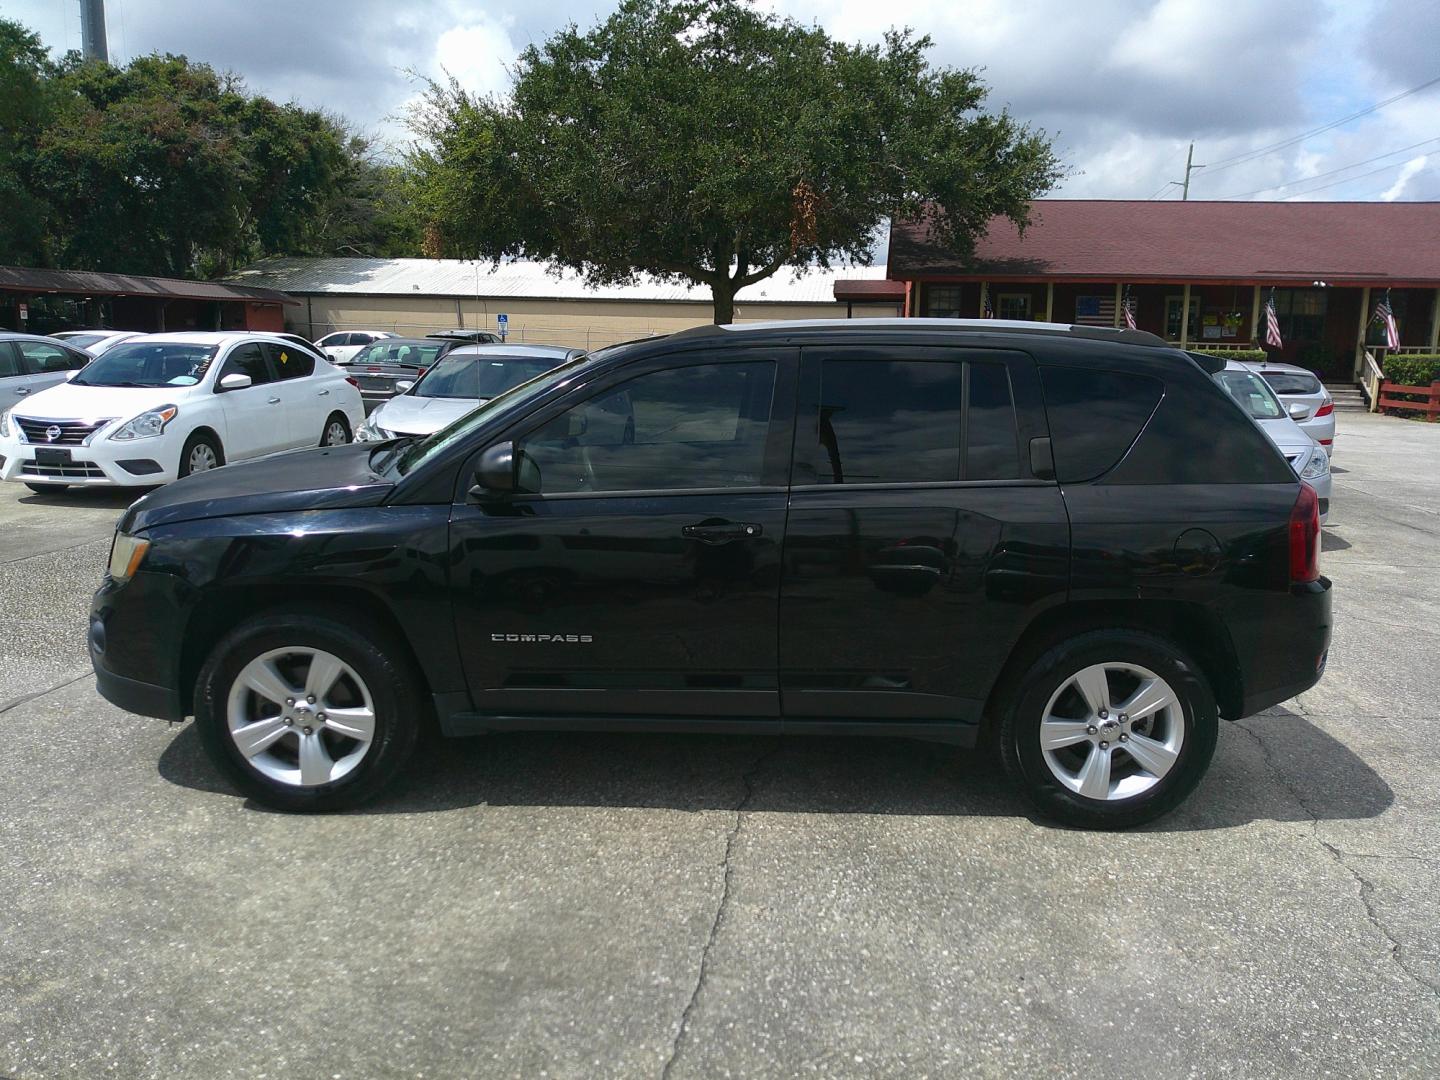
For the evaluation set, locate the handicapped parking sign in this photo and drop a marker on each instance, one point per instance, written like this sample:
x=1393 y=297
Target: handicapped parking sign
x=503 y=322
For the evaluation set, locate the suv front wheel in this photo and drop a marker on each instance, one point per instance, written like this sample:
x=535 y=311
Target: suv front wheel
x=306 y=712
x=1109 y=729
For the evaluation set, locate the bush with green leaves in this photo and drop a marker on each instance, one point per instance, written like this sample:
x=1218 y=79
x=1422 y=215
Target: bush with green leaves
x=1412 y=370
x=1250 y=356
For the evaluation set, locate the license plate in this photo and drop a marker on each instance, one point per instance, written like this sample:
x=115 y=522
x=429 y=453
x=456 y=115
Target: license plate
x=51 y=455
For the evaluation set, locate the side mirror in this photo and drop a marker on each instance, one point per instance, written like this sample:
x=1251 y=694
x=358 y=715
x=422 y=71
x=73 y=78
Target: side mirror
x=495 y=471
x=403 y=385
x=1299 y=410
x=235 y=382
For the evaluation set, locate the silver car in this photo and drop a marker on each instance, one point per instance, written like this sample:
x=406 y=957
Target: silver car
x=29 y=364
x=1306 y=456
x=1305 y=398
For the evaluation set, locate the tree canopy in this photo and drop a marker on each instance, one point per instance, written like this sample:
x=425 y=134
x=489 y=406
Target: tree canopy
x=707 y=141
x=164 y=166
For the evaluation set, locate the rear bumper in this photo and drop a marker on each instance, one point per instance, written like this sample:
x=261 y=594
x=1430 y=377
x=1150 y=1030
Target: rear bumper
x=1297 y=651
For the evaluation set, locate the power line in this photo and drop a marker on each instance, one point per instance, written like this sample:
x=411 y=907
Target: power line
x=1332 y=172
x=1251 y=155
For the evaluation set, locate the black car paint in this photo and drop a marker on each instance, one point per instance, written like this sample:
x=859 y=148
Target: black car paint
x=884 y=608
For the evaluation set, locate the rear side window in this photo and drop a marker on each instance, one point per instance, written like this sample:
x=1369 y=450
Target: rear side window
x=42 y=358
x=290 y=362
x=905 y=421
x=1095 y=417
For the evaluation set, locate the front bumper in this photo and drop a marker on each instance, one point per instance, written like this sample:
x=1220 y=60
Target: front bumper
x=143 y=463
x=133 y=632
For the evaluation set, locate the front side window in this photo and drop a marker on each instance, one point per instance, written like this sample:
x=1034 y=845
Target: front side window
x=9 y=360
x=695 y=427
x=42 y=358
x=138 y=363
x=247 y=359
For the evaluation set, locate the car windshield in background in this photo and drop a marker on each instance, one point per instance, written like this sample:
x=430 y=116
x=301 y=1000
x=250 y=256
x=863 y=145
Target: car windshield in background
x=388 y=352
x=478 y=376
x=410 y=454
x=1252 y=393
x=150 y=364
x=83 y=341
x=1291 y=382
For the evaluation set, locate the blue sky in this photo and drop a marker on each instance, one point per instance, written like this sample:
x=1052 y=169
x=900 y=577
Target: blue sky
x=1124 y=85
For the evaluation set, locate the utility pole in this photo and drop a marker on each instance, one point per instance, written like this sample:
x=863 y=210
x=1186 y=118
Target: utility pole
x=93 y=43
x=1189 y=168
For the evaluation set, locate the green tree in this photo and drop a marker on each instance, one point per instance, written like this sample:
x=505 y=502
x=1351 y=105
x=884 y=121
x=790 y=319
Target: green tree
x=26 y=106
x=706 y=141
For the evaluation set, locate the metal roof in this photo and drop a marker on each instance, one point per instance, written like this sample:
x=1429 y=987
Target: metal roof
x=1365 y=243
x=466 y=278
x=27 y=279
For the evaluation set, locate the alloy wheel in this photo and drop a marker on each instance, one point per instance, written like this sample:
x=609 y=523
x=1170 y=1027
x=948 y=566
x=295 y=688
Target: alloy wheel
x=1112 y=731
x=301 y=716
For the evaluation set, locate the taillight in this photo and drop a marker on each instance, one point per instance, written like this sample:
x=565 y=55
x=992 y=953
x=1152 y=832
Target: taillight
x=352 y=382
x=1326 y=409
x=1305 y=536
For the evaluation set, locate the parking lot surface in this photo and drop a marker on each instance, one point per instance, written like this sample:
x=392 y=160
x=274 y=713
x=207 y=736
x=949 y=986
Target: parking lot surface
x=704 y=906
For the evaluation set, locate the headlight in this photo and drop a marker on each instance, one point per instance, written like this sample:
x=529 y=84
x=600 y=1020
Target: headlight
x=370 y=431
x=1317 y=466
x=126 y=554
x=5 y=426
x=147 y=425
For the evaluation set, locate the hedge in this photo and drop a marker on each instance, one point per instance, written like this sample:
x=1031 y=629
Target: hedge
x=1249 y=355
x=1412 y=370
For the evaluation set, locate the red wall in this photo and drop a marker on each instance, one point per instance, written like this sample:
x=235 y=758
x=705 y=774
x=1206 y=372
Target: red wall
x=264 y=316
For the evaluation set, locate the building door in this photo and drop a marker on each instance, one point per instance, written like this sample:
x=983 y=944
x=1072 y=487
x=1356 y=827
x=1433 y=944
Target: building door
x=1174 y=305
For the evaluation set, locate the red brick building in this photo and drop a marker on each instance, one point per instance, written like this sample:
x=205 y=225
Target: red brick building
x=1198 y=273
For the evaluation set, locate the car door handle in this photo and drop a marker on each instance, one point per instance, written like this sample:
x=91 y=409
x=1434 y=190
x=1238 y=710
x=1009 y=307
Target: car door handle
x=272 y=401
x=324 y=393
x=721 y=532
x=22 y=389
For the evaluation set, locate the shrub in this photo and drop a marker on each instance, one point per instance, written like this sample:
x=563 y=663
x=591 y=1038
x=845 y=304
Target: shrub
x=1411 y=370
x=1253 y=356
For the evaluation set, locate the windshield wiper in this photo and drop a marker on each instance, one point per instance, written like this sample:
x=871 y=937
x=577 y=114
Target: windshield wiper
x=391 y=451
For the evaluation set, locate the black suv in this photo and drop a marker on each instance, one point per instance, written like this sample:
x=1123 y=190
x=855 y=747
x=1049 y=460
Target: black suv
x=1065 y=542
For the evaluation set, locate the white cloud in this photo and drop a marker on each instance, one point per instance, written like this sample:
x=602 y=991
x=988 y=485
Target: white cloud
x=1408 y=173
x=479 y=53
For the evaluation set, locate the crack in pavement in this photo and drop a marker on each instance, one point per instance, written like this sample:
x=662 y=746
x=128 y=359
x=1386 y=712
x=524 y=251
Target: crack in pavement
x=1366 y=887
x=748 y=777
x=15 y=703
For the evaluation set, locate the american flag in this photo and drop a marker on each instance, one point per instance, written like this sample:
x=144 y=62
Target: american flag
x=987 y=309
x=1384 y=313
x=1095 y=310
x=1128 y=307
x=1272 y=324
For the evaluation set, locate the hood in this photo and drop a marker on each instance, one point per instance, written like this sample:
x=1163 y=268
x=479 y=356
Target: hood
x=321 y=479
x=66 y=401
x=407 y=414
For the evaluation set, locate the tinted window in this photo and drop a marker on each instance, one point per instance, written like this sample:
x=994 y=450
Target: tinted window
x=42 y=358
x=991 y=442
x=403 y=352
x=141 y=363
x=695 y=427
x=247 y=360
x=290 y=362
x=9 y=360
x=1251 y=393
x=885 y=421
x=1291 y=382
x=1095 y=417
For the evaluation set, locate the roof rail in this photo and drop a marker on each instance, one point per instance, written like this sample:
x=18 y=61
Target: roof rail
x=973 y=326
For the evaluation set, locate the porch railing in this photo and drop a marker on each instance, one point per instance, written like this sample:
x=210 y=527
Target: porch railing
x=1372 y=378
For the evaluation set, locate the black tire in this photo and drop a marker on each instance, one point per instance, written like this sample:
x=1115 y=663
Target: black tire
x=395 y=691
x=1020 y=718
x=200 y=438
x=48 y=489
x=343 y=421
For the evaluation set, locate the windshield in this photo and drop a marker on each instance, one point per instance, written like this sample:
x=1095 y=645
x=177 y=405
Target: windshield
x=1254 y=396
x=84 y=341
x=1291 y=382
x=469 y=376
x=401 y=352
x=410 y=454
x=138 y=363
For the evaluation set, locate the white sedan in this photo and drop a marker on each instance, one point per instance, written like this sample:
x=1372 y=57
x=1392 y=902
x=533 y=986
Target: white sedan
x=167 y=405
x=342 y=345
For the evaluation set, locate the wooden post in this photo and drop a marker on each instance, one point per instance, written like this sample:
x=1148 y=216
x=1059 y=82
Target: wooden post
x=1119 y=319
x=1360 y=333
x=1435 y=323
x=1050 y=301
x=1185 y=317
x=1255 y=318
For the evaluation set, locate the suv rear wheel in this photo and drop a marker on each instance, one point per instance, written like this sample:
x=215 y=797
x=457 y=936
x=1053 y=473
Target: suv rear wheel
x=307 y=712
x=1109 y=729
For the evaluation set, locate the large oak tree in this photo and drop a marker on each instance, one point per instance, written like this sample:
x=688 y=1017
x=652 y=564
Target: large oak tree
x=709 y=142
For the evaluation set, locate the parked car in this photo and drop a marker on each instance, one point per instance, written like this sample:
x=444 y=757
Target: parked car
x=462 y=379
x=474 y=337
x=1305 y=398
x=29 y=364
x=379 y=367
x=1111 y=557
x=149 y=411
x=95 y=342
x=1307 y=457
x=343 y=344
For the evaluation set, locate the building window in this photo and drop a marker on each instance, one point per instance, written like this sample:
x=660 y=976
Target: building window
x=942 y=301
x=1009 y=305
x=1173 y=305
x=1301 y=314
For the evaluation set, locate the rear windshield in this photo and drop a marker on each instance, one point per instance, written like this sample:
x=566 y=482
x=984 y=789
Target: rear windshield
x=1291 y=382
x=391 y=352
x=148 y=364
x=1252 y=394
x=83 y=341
x=470 y=376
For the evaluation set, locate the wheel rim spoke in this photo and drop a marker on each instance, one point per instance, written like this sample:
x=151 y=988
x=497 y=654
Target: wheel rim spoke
x=254 y=738
x=1095 y=774
x=1058 y=734
x=1152 y=696
x=315 y=761
x=1151 y=755
x=324 y=671
x=352 y=723
x=266 y=680
x=1094 y=687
